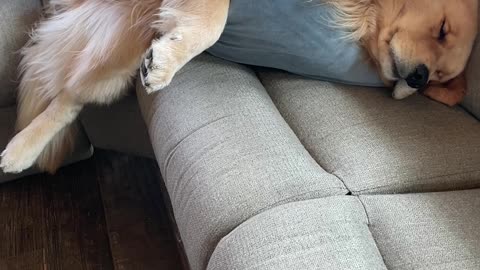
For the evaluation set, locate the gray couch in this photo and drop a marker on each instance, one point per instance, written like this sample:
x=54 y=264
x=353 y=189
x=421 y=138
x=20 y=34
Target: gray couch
x=267 y=170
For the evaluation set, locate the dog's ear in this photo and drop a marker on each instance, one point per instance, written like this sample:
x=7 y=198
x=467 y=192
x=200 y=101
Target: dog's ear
x=450 y=93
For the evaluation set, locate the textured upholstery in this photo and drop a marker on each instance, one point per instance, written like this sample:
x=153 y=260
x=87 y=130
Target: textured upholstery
x=118 y=127
x=16 y=18
x=427 y=231
x=250 y=191
x=377 y=144
x=262 y=184
x=225 y=152
x=472 y=101
x=397 y=232
x=330 y=233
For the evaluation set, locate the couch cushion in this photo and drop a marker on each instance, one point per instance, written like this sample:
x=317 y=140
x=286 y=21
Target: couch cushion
x=17 y=16
x=329 y=233
x=376 y=144
x=118 y=126
x=427 y=231
x=434 y=231
x=225 y=152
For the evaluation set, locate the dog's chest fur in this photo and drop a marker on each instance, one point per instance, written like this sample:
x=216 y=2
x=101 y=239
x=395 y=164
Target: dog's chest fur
x=296 y=36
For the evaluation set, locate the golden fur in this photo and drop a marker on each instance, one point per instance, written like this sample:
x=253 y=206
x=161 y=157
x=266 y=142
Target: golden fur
x=87 y=51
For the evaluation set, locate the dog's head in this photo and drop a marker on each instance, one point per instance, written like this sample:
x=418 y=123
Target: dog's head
x=422 y=41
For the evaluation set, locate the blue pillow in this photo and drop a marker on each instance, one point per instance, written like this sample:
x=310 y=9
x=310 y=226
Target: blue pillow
x=293 y=35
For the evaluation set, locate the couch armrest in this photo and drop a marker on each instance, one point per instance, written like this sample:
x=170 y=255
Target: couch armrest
x=472 y=100
x=17 y=16
x=225 y=152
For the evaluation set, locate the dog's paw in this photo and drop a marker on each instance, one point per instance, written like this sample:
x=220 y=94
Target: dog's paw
x=402 y=90
x=156 y=71
x=16 y=157
x=444 y=95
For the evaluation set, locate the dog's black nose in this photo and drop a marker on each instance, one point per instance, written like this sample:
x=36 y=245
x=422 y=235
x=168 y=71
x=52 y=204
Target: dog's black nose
x=419 y=77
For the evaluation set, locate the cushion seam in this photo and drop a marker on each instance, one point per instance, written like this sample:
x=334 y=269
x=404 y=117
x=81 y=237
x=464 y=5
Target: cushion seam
x=261 y=80
x=281 y=203
x=338 y=177
x=269 y=207
x=371 y=234
x=172 y=152
x=286 y=201
x=419 y=179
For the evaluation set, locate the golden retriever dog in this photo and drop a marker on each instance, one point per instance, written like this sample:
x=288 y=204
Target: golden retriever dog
x=88 y=51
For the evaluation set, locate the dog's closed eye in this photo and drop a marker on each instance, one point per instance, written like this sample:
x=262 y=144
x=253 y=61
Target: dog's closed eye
x=442 y=35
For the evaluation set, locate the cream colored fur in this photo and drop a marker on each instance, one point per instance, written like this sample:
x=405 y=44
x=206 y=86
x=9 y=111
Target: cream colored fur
x=357 y=18
x=87 y=51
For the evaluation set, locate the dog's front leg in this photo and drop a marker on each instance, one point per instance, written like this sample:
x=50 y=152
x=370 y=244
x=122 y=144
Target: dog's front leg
x=450 y=93
x=186 y=28
x=24 y=149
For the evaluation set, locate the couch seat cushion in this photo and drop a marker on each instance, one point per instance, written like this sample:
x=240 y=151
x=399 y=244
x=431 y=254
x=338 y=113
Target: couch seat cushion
x=427 y=231
x=397 y=232
x=225 y=152
x=376 y=144
x=329 y=233
x=16 y=18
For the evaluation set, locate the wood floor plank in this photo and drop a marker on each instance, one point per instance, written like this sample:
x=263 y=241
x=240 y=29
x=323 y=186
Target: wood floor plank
x=54 y=222
x=141 y=236
x=58 y=222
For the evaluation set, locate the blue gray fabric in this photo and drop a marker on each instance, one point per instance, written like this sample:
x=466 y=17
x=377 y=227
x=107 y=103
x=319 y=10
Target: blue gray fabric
x=295 y=36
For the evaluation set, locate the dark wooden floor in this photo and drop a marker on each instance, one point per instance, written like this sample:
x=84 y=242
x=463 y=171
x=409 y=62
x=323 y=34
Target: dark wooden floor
x=103 y=213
